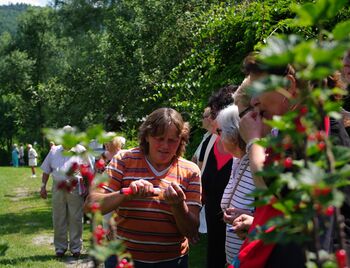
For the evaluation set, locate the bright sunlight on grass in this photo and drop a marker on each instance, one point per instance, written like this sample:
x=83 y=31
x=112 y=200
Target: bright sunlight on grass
x=26 y=225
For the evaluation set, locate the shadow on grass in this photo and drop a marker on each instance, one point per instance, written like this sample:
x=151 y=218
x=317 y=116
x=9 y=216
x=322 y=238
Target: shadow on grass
x=26 y=222
x=29 y=196
x=19 y=261
x=84 y=258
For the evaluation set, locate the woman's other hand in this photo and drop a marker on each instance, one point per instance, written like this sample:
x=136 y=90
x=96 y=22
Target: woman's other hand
x=241 y=225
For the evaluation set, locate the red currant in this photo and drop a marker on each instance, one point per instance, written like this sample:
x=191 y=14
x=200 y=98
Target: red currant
x=288 y=162
x=341 y=258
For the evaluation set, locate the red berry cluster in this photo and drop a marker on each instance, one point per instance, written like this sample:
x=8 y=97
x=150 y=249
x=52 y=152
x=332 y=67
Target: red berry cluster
x=69 y=184
x=319 y=139
x=322 y=192
x=100 y=165
x=72 y=181
x=319 y=192
x=87 y=173
x=124 y=263
x=273 y=157
x=340 y=255
x=299 y=125
x=98 y=234
x=95 y=207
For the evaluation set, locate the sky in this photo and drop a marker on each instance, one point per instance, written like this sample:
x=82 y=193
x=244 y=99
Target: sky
x=29 y=2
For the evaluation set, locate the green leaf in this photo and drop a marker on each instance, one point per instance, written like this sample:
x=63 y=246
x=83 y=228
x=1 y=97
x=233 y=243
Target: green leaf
x=94 y=131
x=267 y=83
x=307 y=14
x=312 y=175
x=334 y=6
x=341 y=30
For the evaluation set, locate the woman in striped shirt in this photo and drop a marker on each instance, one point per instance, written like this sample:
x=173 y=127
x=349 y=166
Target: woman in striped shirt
x=161 y=212
x=235 y=200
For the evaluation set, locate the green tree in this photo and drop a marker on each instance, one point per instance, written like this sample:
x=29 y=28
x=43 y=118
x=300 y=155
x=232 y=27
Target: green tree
x=15 y=69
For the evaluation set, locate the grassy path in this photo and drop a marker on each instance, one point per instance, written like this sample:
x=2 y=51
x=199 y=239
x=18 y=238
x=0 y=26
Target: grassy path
x=26 y=225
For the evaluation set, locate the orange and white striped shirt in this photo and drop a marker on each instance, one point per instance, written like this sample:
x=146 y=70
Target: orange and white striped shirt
x=147 y=225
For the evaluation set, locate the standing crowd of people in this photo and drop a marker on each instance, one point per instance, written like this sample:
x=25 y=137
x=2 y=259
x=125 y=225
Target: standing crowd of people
x=18 y=157
x=155 y=196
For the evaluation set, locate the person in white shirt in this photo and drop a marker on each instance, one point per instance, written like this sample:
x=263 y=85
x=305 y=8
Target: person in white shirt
x=67 y=206
x=32 y=159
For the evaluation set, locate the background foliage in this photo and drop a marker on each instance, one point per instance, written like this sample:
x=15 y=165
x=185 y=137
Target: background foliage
x=112 y=62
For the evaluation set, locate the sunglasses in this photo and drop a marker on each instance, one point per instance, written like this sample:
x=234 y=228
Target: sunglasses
x=246 y=110
x=218 y=131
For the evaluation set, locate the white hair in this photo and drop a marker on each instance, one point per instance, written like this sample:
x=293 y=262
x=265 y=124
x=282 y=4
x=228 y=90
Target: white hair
x=122 y=140
x=68 y=129
x=228 y=121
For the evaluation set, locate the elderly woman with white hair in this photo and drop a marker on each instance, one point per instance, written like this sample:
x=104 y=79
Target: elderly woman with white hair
x=235 y=201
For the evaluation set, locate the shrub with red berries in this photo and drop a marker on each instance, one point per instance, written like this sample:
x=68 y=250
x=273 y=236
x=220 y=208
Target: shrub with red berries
x=303 y=167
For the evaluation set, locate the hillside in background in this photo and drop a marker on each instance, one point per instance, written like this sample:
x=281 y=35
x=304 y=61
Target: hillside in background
x=9 y=15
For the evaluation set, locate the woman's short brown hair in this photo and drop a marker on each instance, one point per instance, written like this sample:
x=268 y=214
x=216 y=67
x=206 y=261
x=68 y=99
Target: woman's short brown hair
x=156 y=124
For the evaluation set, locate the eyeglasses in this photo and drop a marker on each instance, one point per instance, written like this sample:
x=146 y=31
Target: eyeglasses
x=219 y=131
x=246 y=110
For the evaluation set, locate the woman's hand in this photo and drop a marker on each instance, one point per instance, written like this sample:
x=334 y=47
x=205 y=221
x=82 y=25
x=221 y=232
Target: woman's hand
x=242 y=224
x=232 y=213
x=141 y=188
x=174 y=195
x=251 y=126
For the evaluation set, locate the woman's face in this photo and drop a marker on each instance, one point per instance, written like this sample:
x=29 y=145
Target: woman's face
x=163 y=148
x=269 y=104
x=214 y=127
x=206 y=120
x=266 y=104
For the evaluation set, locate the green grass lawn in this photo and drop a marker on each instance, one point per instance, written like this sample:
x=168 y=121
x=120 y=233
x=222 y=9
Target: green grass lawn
x=26 y=224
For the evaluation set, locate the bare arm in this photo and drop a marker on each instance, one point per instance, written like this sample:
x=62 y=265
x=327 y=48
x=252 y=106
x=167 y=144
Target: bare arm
x=44 y=179
x=256 y=161
x=111 y=201
x=108 y=201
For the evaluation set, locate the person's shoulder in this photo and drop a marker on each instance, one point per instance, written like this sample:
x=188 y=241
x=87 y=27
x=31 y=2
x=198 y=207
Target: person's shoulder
x=133 y=153
x=188 y=165
x=78 y=148
x=56 y=149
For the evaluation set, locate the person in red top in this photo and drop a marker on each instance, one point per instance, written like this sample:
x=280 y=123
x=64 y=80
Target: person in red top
x=161 y=214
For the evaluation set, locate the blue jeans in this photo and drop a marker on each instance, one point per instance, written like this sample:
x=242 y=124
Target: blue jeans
x=181 y=262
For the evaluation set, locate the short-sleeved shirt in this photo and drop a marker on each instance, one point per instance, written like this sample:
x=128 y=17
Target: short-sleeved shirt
x=32 y=157
x=57 y=164
x=147 y=225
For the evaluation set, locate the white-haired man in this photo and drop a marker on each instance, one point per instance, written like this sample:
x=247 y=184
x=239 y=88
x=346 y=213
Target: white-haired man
x=67 y=206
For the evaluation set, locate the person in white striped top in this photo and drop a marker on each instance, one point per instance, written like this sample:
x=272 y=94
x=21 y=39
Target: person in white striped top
x=235 y=200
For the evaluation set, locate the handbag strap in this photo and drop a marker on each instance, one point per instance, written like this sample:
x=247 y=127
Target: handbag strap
x=237 y=182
